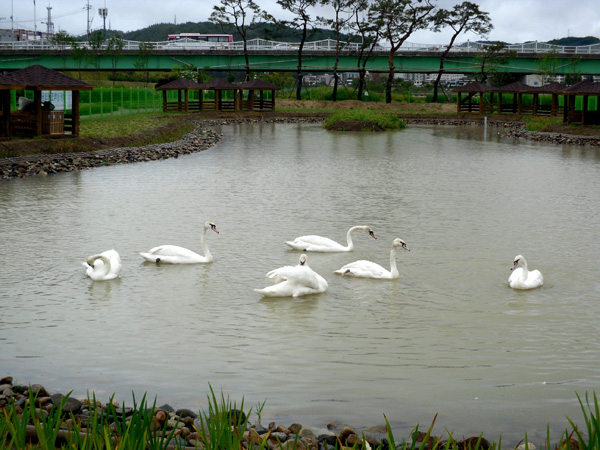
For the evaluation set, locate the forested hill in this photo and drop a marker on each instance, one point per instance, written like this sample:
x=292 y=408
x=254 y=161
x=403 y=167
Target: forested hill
x=574 y=41
x=160 y=31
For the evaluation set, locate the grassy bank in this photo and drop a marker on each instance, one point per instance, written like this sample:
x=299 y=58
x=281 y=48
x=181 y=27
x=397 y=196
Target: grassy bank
x=38 y=424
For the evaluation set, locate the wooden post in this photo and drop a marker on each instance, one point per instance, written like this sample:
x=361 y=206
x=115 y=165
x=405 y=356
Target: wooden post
x=535 y=103
x=499 y=102
x=75 y=113
x=6 y=112
x=273 y=98
x=457 y=103
x=164 y=100
x=584 y=109
x=185 y=101
x=37 y=104
x=201 y=99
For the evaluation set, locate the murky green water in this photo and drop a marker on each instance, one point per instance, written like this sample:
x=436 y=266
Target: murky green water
x=448 y=337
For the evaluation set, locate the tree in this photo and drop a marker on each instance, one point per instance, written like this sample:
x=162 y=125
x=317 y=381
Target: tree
x=343 y=14
x=548 y=63
x=143 y=59
x=114 y=49
x=63 y=41
x=96 y=44
x=462 y=18
x=300 y=21
x=369 y=37
x=243 y=15
x=490 y=59
x=397 y=20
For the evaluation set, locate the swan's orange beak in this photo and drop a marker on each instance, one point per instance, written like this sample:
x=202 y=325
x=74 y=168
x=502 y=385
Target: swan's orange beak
x=214 y=228
x=372 y=234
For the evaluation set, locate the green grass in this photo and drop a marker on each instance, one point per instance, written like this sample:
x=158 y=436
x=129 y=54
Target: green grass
x=384 y=120
x=222 y=427
x=127 y=125
x=536 y=123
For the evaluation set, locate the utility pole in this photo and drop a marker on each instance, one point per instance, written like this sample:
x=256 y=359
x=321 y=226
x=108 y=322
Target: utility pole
x=49 y=23
x=88 y=7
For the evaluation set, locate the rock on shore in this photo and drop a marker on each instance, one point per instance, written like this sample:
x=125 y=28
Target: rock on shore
x=203 y=137
x=185 y=423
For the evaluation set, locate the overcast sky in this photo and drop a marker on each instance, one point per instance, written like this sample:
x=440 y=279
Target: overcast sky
x=514 y=21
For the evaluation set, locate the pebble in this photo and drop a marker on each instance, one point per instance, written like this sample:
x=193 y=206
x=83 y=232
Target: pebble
x=185 y=435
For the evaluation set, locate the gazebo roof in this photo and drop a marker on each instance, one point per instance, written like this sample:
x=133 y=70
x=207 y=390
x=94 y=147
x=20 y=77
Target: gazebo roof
x=517 y=86
x=7 y=83
x=260 y=85
x=217 y=85
x=583 y=87
x=175 y=85
x=42 y=78
x=474 y=86
x=551 y=88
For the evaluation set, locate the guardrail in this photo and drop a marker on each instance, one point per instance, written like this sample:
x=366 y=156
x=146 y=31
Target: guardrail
x=326 y=45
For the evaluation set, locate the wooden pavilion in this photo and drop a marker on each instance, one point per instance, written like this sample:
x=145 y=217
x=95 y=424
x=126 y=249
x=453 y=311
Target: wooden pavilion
x=555 y=89
x=467 y=105
x=219 y=86
x=40 y=122
x=262 y=103
x=585 y=115
x=517 y=89
x=6 y=86
x=183 y=103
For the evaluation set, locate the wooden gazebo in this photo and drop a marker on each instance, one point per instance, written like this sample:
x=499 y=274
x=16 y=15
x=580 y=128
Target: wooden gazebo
x=183 y=103
x=262 y=103
x=219 y=86
x=39 y=122
x=585 y=116
x=517 y=89
x=467 y=104
x=555 y=89
x=6 y=86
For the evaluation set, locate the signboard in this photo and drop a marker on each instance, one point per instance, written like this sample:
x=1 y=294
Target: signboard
x=61 y=100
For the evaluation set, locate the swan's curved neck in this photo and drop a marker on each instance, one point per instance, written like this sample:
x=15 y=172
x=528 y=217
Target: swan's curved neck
x=350 y=245
x=203 y=244
x=393 y=267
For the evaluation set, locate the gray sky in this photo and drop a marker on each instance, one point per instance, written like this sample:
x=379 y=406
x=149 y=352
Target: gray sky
x=514 y=21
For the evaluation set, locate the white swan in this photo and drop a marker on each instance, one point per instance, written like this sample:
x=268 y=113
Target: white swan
x=312 y=243
x=294 y=281
x=368 y=269
x=178 y=255
x=104 y=266
x=521 y=278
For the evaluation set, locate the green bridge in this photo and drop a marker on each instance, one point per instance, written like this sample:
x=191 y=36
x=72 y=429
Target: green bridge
x=317 y=57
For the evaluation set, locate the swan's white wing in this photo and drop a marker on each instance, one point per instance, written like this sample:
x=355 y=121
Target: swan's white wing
x=312 y=243
x=173 y=254
x=365 y=269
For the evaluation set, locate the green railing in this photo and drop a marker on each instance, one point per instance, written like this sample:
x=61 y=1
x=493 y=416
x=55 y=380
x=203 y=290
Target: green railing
x=118 y=100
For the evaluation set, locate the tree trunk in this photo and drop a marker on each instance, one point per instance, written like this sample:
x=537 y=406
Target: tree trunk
x=335 y=85
x=361 y=84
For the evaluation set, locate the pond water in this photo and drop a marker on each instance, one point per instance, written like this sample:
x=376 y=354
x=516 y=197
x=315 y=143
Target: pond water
x=449 y=337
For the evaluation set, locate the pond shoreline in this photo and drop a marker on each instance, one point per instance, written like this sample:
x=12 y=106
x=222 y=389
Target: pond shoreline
x=203 y=137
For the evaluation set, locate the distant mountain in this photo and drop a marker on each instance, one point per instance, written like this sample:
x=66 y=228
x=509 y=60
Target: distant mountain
x=160 y=31
x=574 y=41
